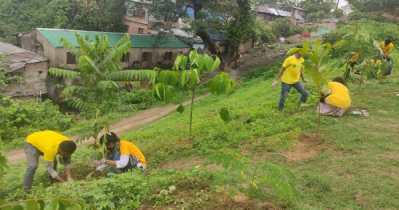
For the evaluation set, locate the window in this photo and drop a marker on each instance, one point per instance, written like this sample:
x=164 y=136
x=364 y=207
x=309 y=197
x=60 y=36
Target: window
x=15 y=74
x=125 y=57
x=146 y=56
x=126 y=28
x=140 y=13
x=168 y=56
x=141 y=31
x=70 y=58
x=40 y=72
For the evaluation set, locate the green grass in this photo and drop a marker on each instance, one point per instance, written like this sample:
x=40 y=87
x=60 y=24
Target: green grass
x=356 y=167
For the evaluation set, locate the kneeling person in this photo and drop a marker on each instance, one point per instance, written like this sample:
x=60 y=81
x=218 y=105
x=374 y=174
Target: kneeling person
x=339 y=100
x=49 y=144
x=122 y=154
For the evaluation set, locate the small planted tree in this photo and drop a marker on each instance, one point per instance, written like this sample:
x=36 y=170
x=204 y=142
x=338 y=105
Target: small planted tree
x=102 y=78
x=318 y=66
x=191 y=79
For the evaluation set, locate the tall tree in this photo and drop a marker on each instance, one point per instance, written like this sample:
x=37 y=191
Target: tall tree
x=210 y=17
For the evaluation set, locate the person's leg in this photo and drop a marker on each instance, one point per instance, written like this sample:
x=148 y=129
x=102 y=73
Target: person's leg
x=32 y=155
x=304 y=93
x=116 y=156
x=285 y=88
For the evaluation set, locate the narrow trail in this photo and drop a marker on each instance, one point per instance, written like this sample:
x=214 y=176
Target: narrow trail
x=120 y=127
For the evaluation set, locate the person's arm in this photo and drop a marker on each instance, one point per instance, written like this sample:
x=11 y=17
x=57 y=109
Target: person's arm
x=52 y=172
x=303 y=78
x=278 y=76
x=121 y=163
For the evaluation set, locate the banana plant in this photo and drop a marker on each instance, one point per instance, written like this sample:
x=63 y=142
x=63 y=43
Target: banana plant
x=191 y=80
x=101 y=77
x=318 y=66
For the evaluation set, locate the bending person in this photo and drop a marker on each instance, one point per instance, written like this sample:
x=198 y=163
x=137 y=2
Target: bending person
x=49 y=144
x=122 y=154
x=337 y=102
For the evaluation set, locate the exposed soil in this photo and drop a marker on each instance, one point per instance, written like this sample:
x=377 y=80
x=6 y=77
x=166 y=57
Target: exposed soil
x=124 y=125
x=307 y=146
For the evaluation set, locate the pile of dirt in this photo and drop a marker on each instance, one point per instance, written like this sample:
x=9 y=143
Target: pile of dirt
x=307 y=146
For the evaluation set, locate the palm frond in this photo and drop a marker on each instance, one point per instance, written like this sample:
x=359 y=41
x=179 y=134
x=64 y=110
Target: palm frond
x=86 y=47
x=133 y=74
x=87 y=62
x=107 y=84
x=69 y=74
x=283 y=180
x=77 y=103
x=70 y=47
x=71 y=90
x=125 y=39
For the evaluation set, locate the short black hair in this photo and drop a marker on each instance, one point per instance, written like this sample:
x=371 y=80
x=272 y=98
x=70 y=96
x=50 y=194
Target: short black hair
x=68 y=146
x=111 y=138
x=387 y=41
x=339 y=79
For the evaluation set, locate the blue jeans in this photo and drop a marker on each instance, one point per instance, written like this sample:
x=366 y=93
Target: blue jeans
x=117 y=156
x=285 y=88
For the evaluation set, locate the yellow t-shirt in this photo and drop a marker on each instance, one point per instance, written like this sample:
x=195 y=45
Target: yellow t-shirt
x=292 y=71
x=354 y=57
x=128 y=148
x=386 y=49
x=339 y=95
x=47 y=142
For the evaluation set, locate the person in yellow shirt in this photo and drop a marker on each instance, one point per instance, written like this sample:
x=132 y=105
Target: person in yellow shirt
x=291 y=71
x=386 y=47
x=337 y=101
x=122 y=154
x=49 y=144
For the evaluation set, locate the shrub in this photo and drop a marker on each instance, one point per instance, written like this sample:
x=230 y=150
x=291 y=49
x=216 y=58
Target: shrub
x=20 y=118
x=288 y=41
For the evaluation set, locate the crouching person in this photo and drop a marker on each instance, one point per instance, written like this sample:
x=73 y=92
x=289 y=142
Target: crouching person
x=122 y=154
x=337 y=102
x=49 y=144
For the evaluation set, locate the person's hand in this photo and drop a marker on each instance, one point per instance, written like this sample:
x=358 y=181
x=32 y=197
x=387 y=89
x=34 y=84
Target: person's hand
x=305 y=80
x=103 y=160
x=274 y=83
x=90 y=175
x=97 y=163
x=70 y=179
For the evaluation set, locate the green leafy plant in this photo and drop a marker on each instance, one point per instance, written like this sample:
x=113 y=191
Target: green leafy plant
x=191 y=79
x=40 y=203
x=102 y=78
x=317 y=66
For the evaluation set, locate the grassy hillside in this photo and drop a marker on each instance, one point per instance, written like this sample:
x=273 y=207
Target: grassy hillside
x=354 y=164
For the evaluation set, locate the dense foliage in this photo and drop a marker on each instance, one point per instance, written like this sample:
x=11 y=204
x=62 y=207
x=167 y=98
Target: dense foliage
x=19 y=16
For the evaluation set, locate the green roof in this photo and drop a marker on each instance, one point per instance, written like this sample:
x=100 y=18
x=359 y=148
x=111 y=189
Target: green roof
x=138 y=40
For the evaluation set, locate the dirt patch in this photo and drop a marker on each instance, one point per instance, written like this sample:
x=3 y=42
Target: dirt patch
x=307 y=146
x=189 y=163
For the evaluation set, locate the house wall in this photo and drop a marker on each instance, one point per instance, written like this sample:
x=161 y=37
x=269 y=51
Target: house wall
x=266 y=18
x=34 y=75
x=133 y=25
x=158 y=56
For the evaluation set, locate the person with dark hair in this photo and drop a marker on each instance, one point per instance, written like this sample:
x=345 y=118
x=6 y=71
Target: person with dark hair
x=123 y=155
x=337 y=100
x=386 y=47
x=49 y=144
x=292 y=69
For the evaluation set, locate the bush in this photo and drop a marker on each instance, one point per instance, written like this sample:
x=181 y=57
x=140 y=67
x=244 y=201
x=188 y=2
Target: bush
x=367 y=16
x=288 y=41
x=20 y=118
x=272 y=71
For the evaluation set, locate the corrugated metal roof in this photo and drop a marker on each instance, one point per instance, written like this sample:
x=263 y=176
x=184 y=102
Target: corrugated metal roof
x=273 y=11
x=19 y=57
x=138 y=40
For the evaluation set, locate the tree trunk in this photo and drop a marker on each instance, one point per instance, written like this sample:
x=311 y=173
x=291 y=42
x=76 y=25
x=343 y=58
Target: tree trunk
x=213 y=48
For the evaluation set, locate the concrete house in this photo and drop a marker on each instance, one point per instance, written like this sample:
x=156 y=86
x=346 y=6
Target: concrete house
x=147 y=51
x=28 y=65
x=268 y=15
